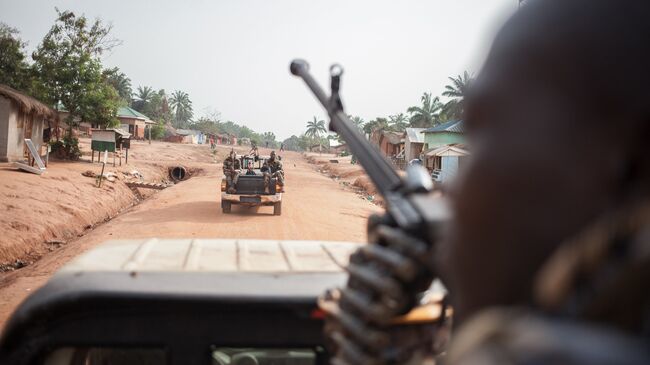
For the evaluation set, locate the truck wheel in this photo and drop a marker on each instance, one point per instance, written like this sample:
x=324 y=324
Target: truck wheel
x=277 y=208
x=226 y=206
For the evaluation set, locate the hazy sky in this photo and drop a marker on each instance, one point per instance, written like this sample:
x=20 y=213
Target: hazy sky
x=233 y=56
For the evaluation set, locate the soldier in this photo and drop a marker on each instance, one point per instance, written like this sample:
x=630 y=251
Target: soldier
x=547 y=258
x=231 y=167
x=249 y=169
x=275 y=165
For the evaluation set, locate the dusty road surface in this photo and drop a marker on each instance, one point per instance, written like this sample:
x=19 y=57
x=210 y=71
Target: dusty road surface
x=314 y=207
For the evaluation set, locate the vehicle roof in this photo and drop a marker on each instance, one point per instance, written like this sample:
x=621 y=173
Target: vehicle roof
x=216 y=255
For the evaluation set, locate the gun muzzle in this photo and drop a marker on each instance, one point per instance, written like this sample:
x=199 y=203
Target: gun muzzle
x=298 y=67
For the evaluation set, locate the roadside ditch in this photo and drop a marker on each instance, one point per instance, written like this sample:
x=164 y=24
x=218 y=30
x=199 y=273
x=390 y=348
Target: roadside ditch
x=45 y=213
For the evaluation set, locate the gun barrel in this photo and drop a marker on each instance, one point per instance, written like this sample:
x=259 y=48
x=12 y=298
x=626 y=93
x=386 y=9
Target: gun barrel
x=380 y=171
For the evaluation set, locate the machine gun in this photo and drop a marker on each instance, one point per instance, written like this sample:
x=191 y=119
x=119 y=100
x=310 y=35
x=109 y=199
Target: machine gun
x=369 y=319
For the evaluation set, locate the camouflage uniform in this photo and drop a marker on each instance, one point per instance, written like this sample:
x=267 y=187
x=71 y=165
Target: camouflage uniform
x=276 y=169
x=231 y=167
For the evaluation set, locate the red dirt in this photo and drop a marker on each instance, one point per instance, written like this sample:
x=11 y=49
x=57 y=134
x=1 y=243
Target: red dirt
x=315 y=207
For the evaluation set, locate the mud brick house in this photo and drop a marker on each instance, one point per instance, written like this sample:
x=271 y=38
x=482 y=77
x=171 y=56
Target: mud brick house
x=23 y=117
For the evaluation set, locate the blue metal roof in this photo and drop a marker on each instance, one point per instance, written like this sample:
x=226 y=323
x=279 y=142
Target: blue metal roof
x=455 y=126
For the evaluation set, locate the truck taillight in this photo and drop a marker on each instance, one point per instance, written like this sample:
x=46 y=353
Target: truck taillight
x=223 y=185
x=278 y=188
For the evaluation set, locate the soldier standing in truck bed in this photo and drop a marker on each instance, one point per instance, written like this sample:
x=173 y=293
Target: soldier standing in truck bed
x=231 y=170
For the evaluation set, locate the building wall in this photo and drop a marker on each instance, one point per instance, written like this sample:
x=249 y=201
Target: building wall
x=434 y=140
x=13 y=125
x=6 y=113
x=412 y=150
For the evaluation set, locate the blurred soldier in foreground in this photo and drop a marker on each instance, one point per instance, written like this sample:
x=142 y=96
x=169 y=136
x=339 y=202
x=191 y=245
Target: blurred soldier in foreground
x=231 y=167
x=548 y=256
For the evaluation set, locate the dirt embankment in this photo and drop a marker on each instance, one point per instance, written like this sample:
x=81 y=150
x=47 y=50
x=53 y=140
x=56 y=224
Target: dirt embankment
x=350 y=175
x=39 y=214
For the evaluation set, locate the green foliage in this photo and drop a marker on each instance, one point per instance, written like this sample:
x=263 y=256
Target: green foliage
x=14 y=70
x=457 y=91
x=315 y=128
x=120 y=82
x=426 y=115
x=158 y=131
x=398 y=122
x=181 y=106
x=67 y=149
x=68 y=69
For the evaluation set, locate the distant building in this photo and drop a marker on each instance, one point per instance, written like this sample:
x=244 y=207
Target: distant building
x=134 y=122
x=339 y=149
x=444 y=134
x=390 y=144
x=196 y=137
x=413 y=143
x=23 y=117
x=446 y=161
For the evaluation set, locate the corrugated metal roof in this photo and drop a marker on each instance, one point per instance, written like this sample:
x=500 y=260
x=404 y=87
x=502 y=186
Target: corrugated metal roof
x=448 y=150
x=128 y=112
x=188 y=132
x=452 y=127
x=415 y=135
x=216 y=255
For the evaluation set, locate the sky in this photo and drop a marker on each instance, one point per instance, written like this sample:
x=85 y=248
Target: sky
x=233 y=56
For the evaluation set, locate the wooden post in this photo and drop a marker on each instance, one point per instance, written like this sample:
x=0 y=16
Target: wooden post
x=127 y=155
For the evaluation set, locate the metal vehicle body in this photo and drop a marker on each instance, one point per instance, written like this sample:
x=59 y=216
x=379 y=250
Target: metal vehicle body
x=250 y=189
x=202 y=301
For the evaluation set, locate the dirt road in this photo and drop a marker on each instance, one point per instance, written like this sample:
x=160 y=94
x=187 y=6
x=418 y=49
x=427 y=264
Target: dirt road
x=314 y=207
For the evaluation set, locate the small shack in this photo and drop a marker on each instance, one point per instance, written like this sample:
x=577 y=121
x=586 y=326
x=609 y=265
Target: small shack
x=444 y=134
x=413 y=143
x=445 y=161
x=23 y=117
x=134 y=122
x=116 y=141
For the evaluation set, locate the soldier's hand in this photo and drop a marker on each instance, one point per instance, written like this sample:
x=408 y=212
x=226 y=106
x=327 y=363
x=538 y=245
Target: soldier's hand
x=385 y=278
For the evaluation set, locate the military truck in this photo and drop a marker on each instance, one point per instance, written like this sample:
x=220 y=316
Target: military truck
x=201 y=301
x=250 y=190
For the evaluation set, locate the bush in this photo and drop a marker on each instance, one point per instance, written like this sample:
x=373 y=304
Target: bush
x=68 y=149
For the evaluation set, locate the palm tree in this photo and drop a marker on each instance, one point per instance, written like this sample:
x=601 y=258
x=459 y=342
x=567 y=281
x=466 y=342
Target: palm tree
x=182 y=108
x=357 y=121
x=120 y=82
x=426 y=115
x=142 y=97
x=457 y=91
x=315 y=128
x=398 y=122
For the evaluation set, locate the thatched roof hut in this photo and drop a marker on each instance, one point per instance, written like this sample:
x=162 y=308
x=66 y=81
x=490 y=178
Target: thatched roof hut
x=28 y=104
x=23 y=117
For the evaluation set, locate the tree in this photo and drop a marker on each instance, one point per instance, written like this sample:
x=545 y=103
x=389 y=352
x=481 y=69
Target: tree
x=457 y=91
x=142 y=98
x=425 y=115
x=315 y=128
x=357 y=121
x=377 y=124
x=181 y=106
x=68 y=70
x=398 y=122
x=14 y=70
x=120 y=82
